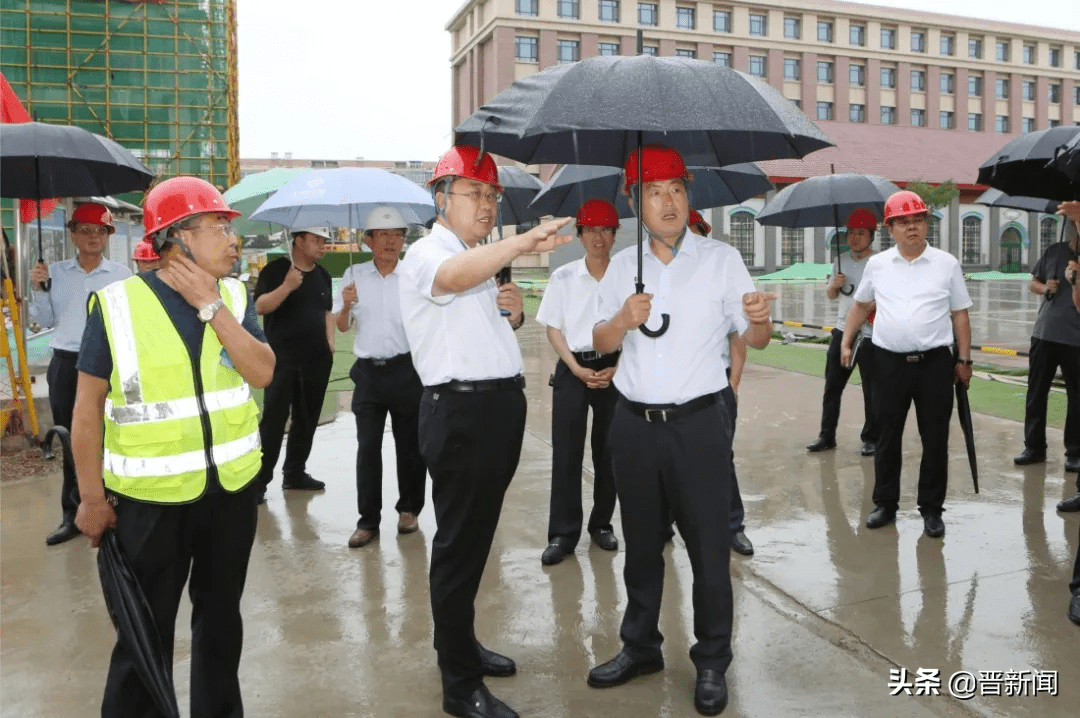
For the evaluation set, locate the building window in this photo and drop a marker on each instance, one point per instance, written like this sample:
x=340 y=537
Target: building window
x=975 y=85
x=933 y=231
x=825 y=110
x=570 y=9
x=525 y=49
x=825 y=31
x=1002 y=52
x=527 y=7
x=1047 y=234
x=918 y=80
x=1029 y=54
x=567 y=51
x=825 y=72
x=792 y=28
x=888 y=38
x=1054 y=123
x=856 y=75
x=885 y=240
x=742 y=236
x=1055 y=57
x=946 y=120
x=609 y=10
x=685 y=17
x=759 y=25
x=796 y=101
x=1001 y=88
x=975 y=48
x=948 y=44
x=918 y=41
x=918 y=118
x=758 y=66
x=648 y=13
x=948 y=83
x=1076 y=59
x=689 y=54
x=856 y=113
x=1027 y=90
x=721 y=20
x=608 y=48
x=888 y=115
x=857 y=35
x=888 y=78
x=791 y=69
x=722 y=58
x=971 y=246
x=1001 y=124
x=792 y=246
x=1076 y=94
x=975 y=122
x=1055 y=92
x=1027 y=124
x=650 y=50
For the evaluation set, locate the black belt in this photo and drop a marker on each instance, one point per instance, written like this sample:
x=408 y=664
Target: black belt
x=916 y=357
x=670 y=412
x=595 y=358
x=63 y=354
x=380 y=363
x=513 y=382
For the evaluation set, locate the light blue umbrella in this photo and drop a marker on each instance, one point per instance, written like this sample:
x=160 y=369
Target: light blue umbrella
x=246 y=195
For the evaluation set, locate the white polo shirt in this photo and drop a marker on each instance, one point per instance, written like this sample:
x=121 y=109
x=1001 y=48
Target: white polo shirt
x=454 y=336
x=702 y=290
x=914 y=299
x=380 y=333
x=569 y=303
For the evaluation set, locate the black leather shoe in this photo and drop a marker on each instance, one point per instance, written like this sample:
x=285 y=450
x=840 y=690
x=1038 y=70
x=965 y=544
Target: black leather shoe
x=1072 y=465
x=497 y=665
x=64 y=532
x=821 y=445
x=1070 y=504
x=868 y=448
x=879 y=517
x=1074 y=608
x=606 y=540
x=710 y=695
x=303 y=481
x=669 y=533
x=741 y=544
x=1029 y=456
x=556 y=551
x=933 y=526
x=481 y=704
x=621 y=669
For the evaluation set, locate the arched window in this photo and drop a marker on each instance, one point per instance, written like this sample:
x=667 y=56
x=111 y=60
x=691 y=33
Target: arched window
x=933 y=231
x=792 y=244
x=1047 y=234
x=972 y=241
x=884 y=238
x=742 y=236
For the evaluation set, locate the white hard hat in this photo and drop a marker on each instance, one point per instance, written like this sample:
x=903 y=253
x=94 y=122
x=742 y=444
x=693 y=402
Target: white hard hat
x=323 y=232
x=385 y=217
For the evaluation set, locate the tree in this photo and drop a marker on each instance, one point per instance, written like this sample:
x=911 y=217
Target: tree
x=935 y=197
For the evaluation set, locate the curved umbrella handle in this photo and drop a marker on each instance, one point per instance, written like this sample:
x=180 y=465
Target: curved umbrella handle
x=653 y=333
x=848 y=291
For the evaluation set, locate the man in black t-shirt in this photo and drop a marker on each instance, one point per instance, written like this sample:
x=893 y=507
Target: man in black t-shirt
x=295 y=299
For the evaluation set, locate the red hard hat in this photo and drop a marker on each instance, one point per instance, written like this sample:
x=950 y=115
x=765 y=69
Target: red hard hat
x=697 y=219
x=144 y=252
x=862 y=219
x=904 y=203
x=468 y=162
x=179 y=198
x=597 y=213
x=658 y=162
x=94 y=213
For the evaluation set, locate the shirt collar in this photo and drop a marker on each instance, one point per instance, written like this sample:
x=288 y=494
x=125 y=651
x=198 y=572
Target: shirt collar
x=370 y=268
x=895 y=254
x=445 y=234
x=689 y=245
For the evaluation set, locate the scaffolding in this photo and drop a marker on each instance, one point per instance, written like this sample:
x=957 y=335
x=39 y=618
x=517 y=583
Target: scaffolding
x=157 y=76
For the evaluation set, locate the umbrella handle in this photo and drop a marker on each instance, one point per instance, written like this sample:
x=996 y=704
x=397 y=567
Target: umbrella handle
x=664 y=323
x=848 y=291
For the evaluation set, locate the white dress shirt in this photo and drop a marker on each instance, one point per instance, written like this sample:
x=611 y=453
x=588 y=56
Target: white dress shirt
x=569 y=303
x=454 y=336
x=64 y=305
x=702 y=290
x=380 y=333
x=914 y=299
x=853 y=273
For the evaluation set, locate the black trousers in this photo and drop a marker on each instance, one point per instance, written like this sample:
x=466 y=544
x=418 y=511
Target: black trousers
x=211 y=540
x=1074 y=585
x=1043 y=362
x=471 y=442
x=836 y=378
x=63 y=378
x=736 y=512
x=683 y=464
x=571 y=400
x=298 y=388
x=928 y=383
x=393 y=388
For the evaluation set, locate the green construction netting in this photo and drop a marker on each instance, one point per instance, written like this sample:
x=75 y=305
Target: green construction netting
x=998 y=275
x=802 y=272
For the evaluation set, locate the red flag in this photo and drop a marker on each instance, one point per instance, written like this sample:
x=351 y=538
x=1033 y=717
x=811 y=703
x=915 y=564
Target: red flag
x=13 y=112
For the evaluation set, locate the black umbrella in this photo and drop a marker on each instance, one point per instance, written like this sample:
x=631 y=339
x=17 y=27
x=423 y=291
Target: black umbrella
x=996 y=198
x=1021 y=167
x=41 y=161
x=572 y=185
x=599 y=110
x=963 y=412
x=135 y=626
x=1067 y=159
x=519 y=189
x=826 y=201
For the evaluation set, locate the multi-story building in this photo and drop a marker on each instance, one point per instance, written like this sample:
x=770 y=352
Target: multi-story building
x=904 y=94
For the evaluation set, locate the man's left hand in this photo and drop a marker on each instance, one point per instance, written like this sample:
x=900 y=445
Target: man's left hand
x=602 y=379
x=756 y=306
x=963 y=374
x=194 y=283
x=510 y=300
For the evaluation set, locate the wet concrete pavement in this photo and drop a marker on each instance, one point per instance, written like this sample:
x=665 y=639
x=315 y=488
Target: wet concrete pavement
x=823 y=611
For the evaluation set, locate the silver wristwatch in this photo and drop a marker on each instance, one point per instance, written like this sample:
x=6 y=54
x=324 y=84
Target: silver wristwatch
x=207 y=313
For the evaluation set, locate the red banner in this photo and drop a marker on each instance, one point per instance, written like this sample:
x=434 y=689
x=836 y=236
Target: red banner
x=13 y=112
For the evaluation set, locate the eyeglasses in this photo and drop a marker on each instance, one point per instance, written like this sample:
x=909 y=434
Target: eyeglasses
x=96 y=230
x=477 y=195
x=225 y=230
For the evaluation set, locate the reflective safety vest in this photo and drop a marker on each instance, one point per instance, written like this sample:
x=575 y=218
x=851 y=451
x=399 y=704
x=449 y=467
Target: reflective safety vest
x=169 y=419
